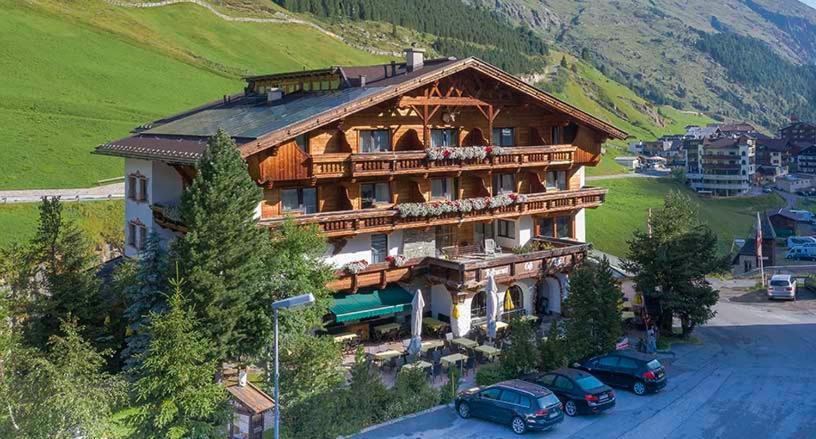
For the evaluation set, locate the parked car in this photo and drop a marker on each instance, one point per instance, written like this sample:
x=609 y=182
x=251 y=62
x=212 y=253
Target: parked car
x=796 y=241
x=524 y=406
x=633 y=370
x=805 y=214
x=578 y=390
x=767 y=190
x=782 y=286
x=802 y=253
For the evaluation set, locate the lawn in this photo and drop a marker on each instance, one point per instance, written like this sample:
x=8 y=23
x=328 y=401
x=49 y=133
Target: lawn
x=100 y=220
x=77 y=74
x=610 y=226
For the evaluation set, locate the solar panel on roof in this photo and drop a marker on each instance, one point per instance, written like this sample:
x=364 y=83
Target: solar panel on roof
x=255 y=119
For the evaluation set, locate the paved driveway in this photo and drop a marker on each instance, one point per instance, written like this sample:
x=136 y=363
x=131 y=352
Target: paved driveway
x=752 y=378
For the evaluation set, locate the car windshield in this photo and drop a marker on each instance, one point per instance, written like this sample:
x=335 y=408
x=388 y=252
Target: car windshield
x=546 y=401
x=589 y=382
x=654 y=364
x=779 y=283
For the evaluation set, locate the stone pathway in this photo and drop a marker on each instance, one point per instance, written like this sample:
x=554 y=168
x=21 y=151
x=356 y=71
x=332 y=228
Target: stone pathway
x=106 y=192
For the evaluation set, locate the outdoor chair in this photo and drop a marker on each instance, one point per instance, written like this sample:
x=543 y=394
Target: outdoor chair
x=470 y=365
x=446 y=351
x=436 y=355
x=436 y=370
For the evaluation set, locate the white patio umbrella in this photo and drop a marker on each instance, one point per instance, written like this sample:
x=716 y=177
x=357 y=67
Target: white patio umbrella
x=492 y=304
x=416 y=323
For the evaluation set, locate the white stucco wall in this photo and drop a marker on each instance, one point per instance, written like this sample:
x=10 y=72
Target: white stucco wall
x=358 y=248
x=525 y=229
x=138 y=210
x=580 y=225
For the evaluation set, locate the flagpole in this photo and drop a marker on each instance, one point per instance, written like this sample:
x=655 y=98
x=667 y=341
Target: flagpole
x=760 y=259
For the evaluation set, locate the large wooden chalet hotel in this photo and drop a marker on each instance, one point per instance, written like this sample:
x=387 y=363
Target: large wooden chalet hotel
x=423 y=175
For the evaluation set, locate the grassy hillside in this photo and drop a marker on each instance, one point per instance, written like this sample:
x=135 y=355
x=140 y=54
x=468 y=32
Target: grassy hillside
x=76 y=74
x=627 y=204
x=102 y=221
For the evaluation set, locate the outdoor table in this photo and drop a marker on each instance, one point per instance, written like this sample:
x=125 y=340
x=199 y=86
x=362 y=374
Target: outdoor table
x=344 y=337
x=488 y=351
x=500 y=326
x=418 y=365
x=465 y=342
x=387 y=355
x=431 y=344
x=433 y=324
x=529 y=317
x=452 y=359
x=386 y=328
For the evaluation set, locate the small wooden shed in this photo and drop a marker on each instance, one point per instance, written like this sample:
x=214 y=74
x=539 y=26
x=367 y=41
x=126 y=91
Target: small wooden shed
x=252 y=411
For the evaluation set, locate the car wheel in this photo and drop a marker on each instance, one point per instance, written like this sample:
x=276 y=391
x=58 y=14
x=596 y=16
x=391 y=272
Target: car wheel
x=464 y=410
x=570 y=408
x=518 y=425
x=639 y=388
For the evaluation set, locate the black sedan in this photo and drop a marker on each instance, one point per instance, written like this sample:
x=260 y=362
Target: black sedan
x=628 y=369
x=578 y=390
x=522 y=405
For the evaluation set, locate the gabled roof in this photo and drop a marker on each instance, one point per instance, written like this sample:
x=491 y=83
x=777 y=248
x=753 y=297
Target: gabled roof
x=259 y=125
x=252 y=398
x=780 y=145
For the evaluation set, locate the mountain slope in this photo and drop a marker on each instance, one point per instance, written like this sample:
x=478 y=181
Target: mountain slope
x=79 y=73
x=650 y=45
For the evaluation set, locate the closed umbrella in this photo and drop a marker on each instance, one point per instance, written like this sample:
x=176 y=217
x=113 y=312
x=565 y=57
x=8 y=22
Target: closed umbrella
x=508 y=302
x=416 y=323
x=492 y=304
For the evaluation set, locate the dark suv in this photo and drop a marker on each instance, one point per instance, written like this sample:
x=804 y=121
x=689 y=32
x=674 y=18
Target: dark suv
x=578 y=390
x=525 y=406
x=629 y=369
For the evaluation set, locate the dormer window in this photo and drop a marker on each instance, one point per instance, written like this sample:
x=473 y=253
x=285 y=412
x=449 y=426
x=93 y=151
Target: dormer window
x=137 y=187
x=375 y=141
x=302 y=142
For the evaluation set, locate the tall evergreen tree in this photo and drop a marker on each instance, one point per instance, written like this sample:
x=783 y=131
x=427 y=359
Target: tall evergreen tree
x=176 y=393
x=222 y=254
x=672 y=263
x=593 y=305
x=69 y=284
x=144 y=297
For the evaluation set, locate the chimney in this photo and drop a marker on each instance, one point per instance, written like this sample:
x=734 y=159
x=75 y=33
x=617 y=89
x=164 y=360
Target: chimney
x=362 y=80
x=414 y=58
x=273 y=94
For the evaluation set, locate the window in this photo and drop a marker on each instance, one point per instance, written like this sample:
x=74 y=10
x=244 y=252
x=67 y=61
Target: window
x=375 y=141
x=136 y=234
x=627 y=363
x=478 y=306
x=557 y=179
x=504 y=136
x=373 y=193
x=379 y=247
x=548 y=401
x=510 y=397
x=442 y=188
x=563 y=225
x=546 y=380
x=517 y=297
x=507 y=229
x=556 y=135
x=302 y=200
x=563 y=383
x=546 y=227
x=504 y=184
x=137 y=187
x=525 y=401
x=589 y=382
x=443 y=137
x=492 y=393
x=302 y=142
x=443 y=236
x=608 y=361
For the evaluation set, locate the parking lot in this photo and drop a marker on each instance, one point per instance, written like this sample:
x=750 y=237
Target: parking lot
x=751 y=377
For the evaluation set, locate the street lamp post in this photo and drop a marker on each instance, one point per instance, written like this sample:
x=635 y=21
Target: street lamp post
x=290 y=303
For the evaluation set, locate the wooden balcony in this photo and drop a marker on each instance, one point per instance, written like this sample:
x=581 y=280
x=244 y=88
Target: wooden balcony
x=352 y=222
x=326 y=166
x=376 y=275
x=470 y=271
x=167 y=217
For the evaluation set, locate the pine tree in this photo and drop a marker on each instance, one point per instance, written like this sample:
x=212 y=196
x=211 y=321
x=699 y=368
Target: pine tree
x=144 y=297
x=176 y=394
x=551 y=351
x=564 y=62
x=222 y=253
x=69 y=283
x=522 y=354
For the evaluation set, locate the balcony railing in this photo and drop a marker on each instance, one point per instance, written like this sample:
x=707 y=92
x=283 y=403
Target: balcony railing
x=410 y=162
x=351 y=222
x=470 y=271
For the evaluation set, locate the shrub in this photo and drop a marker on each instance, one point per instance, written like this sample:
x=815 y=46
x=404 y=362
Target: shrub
x=521 y=356
x=411 y=393
x=491 y=374
x=449 y=391
x=552 y=353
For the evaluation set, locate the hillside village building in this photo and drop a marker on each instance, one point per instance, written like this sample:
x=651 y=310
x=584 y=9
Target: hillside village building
x=722 y=167
x=423 y=175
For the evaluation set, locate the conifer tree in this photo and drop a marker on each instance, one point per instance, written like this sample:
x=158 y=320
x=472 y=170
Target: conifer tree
x=144 y=297
x=176 y=393
x=69 y=284
x=222 y=253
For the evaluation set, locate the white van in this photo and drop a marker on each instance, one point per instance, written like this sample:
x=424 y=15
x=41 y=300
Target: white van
x=802 y=253
x=796 y=241
x=782 y=286
x=806 y=214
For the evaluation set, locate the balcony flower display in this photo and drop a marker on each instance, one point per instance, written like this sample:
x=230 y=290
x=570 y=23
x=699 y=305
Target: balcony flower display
x=438 y=208
x=355 y=267
x=462 y=152
x=396 y=261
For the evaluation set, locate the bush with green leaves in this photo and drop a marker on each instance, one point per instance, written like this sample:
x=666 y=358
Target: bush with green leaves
x=411 y=393
x=522 y=355
x=491 y=373
x=552 y=352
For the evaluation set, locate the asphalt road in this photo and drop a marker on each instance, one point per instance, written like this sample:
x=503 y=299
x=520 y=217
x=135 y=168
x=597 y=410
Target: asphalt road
x=753 y=377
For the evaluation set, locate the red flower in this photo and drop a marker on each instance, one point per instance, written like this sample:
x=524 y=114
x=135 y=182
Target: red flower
x=489 y=149
x=446 y=153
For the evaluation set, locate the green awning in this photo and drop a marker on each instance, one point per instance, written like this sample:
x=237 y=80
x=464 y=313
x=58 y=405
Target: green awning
x=390 y=300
